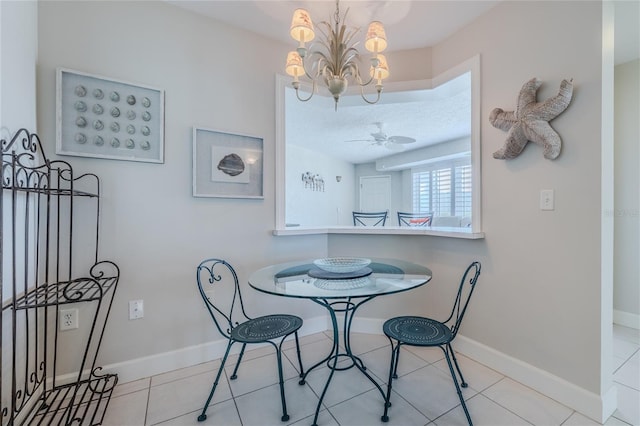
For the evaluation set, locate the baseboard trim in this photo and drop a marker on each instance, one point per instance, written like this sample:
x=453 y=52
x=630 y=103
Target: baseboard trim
x=626 y=319
x=596 y=407
x=148 y=366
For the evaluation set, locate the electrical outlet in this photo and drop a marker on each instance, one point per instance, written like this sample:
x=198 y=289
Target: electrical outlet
x=68 y=319
x=136 y=309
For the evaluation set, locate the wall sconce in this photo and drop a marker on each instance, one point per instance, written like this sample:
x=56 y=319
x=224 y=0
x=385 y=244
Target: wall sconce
x=313 y=181
x=338 y=178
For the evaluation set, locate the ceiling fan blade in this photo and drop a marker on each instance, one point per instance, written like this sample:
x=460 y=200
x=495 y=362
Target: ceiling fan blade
x=360 y=140
x=394 y=146
x=401 y=139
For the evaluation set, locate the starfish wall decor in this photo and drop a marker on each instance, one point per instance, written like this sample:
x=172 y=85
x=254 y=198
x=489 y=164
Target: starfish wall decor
x=530 y=121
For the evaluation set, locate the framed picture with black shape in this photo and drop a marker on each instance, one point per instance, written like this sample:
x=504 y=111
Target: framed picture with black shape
x=105 y=118
x=227 y=165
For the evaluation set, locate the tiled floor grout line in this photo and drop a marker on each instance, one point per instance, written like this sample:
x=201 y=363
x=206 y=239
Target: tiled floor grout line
x=235 y=403
x=627 y=360
x=513 y=412
x=292 y=359
x=146 y=410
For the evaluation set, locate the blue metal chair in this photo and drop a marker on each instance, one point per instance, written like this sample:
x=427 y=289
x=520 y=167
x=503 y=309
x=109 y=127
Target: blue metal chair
x=228 y=314
x=427 y=332
x=370 y=219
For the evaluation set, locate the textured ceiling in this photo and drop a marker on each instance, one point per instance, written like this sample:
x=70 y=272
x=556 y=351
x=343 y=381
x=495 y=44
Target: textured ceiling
x=429 y=116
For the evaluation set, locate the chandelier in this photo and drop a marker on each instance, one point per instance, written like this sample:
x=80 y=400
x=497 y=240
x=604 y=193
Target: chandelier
x=335 y=59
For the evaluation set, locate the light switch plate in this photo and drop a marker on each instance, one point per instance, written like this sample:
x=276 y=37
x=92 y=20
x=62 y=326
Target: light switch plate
x=546 y=199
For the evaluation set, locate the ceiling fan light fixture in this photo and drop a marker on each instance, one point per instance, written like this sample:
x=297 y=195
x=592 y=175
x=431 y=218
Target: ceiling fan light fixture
x=380 y=138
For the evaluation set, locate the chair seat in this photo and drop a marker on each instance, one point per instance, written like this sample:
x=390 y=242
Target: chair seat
x=417 y=331
x=264 y=328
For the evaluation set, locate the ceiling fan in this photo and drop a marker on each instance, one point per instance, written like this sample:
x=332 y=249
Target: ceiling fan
x=395 y=143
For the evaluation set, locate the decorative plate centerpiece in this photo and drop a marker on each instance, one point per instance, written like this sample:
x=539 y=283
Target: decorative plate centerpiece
x=350 y=284
x=342 y=265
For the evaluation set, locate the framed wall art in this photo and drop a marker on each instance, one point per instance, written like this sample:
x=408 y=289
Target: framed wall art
x=106 y=118
x=227 y=165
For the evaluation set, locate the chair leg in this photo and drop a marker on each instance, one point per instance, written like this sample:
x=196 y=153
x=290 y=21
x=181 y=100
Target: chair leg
x=455 y=362
x=455 y=382
x=393 y=365
x=299 y=356
x=285 y=416
x=235 y=370
x=203 y=416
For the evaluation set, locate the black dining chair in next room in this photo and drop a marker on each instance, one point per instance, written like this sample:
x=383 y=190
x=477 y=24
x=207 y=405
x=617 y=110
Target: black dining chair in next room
x=427 y=332
x=224 y=303
x=370 y=218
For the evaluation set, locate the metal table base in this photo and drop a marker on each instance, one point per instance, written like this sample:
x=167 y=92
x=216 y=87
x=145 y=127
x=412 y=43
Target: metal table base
x=348 y=307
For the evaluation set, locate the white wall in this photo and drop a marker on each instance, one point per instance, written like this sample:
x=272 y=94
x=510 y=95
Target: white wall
x=539 y=300
x=17 y=105
x=307 y=207
x=18 y=52
x=626 y=295
x=397 y=189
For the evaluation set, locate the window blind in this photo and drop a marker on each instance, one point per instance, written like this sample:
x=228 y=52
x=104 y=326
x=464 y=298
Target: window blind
x=443 y=188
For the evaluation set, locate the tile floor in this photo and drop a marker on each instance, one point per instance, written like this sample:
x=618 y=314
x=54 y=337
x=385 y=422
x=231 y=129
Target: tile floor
x=423 y=395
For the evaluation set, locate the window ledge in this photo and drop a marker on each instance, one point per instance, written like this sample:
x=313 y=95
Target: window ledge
x=449 y=232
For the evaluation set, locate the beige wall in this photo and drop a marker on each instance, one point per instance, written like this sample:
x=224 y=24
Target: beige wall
x=215 y=77
x=545 y=274
x=539 y=294
x=539 y=300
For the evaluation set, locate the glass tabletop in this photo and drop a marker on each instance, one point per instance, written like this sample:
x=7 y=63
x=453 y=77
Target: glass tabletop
x=292 y=279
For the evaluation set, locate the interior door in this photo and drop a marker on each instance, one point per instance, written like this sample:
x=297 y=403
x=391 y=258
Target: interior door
x=375 y=193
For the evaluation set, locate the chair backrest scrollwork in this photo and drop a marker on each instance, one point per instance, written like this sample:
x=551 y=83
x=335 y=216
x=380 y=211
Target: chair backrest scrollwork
x=467 y=286
x=224 y=302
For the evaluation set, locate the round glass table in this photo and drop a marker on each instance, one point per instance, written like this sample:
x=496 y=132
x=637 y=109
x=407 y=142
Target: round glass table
x=339 y=293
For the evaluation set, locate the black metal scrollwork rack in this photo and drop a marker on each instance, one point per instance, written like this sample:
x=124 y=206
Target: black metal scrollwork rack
x=50 y=233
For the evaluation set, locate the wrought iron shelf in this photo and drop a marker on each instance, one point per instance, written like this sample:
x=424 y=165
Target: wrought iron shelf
x=80 y=403
x=43 y=243
x=56 y=192
x=74 y=291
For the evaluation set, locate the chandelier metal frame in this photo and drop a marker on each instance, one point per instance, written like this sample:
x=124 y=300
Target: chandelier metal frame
x=335 y=58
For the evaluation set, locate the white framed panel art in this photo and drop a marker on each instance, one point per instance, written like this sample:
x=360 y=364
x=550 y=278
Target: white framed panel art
x=106 y=118
x=227 y=165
